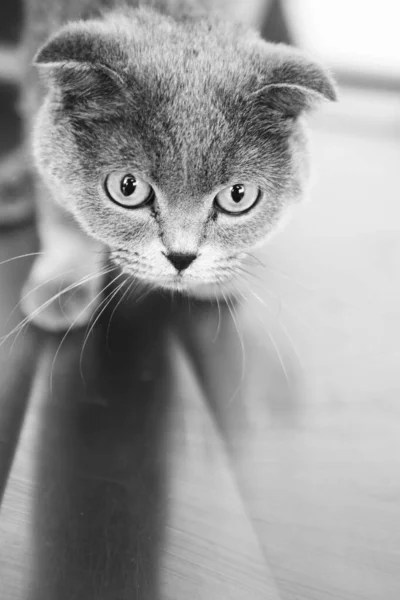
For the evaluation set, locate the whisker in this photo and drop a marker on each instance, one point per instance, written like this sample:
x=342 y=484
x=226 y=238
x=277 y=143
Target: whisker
x=280 y=357
x=128 y=289
x=103 y=305
x=240 y=337
x=282 y=304
x=34 y=290
x=277 y=350
x=72 y=325
x=219 y=318
x=276 y=271
x=109 y=269
x=18 y=328
x=19 y=257
x=255 y=275
x=277 y=297
x=149 y=289
x=109 y=298
x=256 y=281
x=284 y=329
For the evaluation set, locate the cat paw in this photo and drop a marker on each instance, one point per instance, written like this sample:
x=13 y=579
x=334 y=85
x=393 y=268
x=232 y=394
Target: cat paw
x=16 y=190
x=57 y=303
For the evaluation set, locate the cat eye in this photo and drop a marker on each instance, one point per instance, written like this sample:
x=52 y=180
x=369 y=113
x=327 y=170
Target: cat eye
x=128 y=190
x=238 y=198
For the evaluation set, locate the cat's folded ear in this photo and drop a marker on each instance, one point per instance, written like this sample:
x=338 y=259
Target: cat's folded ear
x=84 y=64
x=291 y=83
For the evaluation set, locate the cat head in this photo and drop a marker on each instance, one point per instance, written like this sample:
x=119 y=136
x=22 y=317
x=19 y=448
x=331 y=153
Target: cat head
x=179 y=144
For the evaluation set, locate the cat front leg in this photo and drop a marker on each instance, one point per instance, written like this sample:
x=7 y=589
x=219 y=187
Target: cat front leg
x=64 y=286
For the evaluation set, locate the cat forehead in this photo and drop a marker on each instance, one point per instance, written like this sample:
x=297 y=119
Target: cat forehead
x=155 y=41
x=187 y=85
x=190 y=133
x=188 y=76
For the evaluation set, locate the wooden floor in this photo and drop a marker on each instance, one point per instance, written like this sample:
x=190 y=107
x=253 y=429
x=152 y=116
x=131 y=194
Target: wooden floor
x=176 y=459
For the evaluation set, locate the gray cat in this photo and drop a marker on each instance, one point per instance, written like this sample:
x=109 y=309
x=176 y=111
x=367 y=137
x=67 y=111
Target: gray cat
x=163 y=133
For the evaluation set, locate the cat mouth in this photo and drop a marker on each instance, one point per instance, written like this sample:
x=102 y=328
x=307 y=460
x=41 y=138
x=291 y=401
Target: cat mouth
x=180 y=281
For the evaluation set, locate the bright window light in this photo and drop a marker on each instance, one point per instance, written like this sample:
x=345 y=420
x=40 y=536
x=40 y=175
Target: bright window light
x=354 y=34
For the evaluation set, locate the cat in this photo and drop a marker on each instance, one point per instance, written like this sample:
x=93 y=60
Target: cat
x=163 y=133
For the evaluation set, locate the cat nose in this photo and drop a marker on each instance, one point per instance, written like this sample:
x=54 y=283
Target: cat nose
x=181 y=261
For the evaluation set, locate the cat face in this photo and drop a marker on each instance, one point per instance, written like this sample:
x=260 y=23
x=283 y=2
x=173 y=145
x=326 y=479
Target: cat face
x=177 y=144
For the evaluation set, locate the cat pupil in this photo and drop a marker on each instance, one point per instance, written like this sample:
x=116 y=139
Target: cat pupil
x=237 y=193
x=128 y=185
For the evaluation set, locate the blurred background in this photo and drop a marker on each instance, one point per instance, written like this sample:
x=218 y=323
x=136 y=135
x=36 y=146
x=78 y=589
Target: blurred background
x=309 y=496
